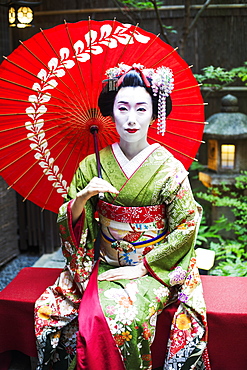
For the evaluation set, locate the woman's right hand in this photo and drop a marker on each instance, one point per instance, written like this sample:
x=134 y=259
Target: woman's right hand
x=94 y=187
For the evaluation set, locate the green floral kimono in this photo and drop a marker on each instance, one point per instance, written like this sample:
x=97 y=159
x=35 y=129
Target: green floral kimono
x=154 y=177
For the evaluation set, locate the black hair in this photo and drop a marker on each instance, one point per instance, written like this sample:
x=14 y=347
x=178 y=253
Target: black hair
x=133 y=79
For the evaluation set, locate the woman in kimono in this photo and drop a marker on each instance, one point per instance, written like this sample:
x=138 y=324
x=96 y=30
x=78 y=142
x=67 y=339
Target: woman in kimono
x=148 y=223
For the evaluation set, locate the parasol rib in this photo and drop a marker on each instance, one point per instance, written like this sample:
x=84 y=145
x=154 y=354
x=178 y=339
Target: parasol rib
x=90 y=50
x=125 y=47
x=28 y=88
x=77 y=127
x=32 y=165
x=103 y=65
x=61 y=91
x=28 y=101
x=165 y=57
x=148 y=47
x=189 y=105
x=26 y=138
x=186 y=137
x=180 y=135
x=76 y=164
x=54 y=119
x=78 y=65
x=182 y=70
x=67 y=70
x=77 y=116
x=176 y=150
x=185 y=120
x=22 y=126
x=187 y=87
x=31 y=150
x=44 y=129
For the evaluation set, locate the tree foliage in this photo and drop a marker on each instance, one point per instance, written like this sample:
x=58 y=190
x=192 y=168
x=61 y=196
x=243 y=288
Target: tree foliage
x=165 y=30
x=217 y=77
x=231 y=254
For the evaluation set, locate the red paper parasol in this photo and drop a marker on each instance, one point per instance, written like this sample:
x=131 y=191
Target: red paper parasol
x=49 y=88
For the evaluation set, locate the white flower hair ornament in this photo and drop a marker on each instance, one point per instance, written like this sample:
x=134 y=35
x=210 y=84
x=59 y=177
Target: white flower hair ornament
x=162 y=84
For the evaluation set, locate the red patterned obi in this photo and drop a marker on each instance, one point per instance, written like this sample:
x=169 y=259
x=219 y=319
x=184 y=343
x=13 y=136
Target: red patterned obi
x=132 y=215
x=128 y=233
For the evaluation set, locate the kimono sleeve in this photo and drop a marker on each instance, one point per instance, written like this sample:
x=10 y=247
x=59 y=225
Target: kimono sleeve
x=78 y=240
x=169 y=261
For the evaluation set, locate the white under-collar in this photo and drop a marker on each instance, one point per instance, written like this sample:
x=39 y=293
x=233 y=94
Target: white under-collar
x=130 y=166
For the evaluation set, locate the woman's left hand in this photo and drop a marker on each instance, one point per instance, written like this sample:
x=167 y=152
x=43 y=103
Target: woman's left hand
x=125 y=272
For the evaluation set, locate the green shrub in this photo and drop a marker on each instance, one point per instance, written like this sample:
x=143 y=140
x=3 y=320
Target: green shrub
x=231 y=254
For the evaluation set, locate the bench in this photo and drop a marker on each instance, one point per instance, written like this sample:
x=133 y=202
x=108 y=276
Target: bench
x=226 y=299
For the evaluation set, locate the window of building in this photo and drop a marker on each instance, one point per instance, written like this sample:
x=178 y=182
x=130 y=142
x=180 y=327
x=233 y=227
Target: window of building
x=227 y=156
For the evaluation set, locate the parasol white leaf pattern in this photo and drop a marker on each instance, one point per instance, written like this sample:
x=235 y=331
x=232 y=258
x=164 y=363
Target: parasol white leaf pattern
x=45 y=98
x=53 y=64
x=64 y=53
x=51 y=85
x=111 y=43
x=83 y=57
x=91 y=37
x=42 y=74
x=33 y=99
x=79 y=47
x=105 y=31
x=141 y=38
x=69 y=64
x=96 y=50
x=93 y=44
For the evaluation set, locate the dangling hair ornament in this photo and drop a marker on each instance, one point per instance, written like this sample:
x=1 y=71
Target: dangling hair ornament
x=162 y=84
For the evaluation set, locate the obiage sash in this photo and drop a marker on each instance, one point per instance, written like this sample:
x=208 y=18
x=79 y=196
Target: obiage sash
x=132 y=215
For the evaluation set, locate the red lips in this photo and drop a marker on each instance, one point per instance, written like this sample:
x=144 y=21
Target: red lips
x=131 y=130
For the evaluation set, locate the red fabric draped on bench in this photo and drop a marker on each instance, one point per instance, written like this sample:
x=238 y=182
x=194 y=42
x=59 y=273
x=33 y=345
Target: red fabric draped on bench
x=226 y=299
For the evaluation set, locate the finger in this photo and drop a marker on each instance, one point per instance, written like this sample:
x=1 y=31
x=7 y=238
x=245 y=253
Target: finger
x=103 y=185
x=111 y=278
x=114 y=277
x=100 y=188
x=108 y=276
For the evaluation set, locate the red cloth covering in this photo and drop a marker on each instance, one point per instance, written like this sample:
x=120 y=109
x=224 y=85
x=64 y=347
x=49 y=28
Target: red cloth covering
x=17 y=308
x=226 y=300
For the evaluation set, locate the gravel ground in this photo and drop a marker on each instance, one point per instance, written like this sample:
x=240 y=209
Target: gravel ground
x=9 y=271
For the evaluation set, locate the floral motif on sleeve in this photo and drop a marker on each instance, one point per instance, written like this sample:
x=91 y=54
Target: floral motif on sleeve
x=183 y=221
x=193 y=285
x=79 y=257
x=177 y=276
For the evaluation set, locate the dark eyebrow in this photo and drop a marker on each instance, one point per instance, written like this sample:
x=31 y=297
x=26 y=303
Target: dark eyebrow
x=122 y=102
x=125 y=102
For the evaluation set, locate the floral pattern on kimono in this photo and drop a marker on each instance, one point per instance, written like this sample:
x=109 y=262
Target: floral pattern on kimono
x=131 y=306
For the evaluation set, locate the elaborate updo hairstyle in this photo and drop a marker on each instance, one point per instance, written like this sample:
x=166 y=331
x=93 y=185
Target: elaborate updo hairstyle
x=131 y=79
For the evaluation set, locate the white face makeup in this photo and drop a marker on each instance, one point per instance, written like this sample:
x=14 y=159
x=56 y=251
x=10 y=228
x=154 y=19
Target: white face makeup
x=132 y=113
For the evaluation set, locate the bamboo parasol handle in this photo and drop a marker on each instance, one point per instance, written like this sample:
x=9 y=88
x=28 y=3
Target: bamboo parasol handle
x=94 y=130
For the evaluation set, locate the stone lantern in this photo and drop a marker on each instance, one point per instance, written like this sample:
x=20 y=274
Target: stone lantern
x=226 y=139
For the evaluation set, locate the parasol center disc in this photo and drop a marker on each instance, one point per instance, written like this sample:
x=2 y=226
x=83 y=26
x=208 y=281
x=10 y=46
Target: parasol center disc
x=94 y=128
x=94 y=125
